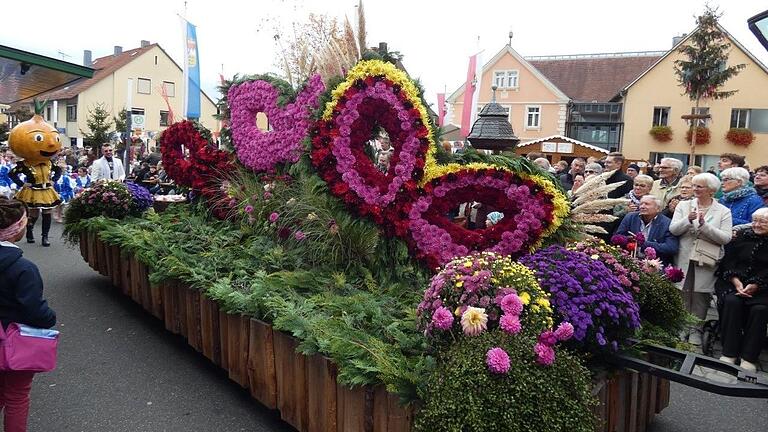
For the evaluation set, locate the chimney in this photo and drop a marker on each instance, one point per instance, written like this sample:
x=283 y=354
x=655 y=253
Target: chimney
x=382 y=47
x=87 y=58
x=676 y=39
x=144 y=43
x=118 y=50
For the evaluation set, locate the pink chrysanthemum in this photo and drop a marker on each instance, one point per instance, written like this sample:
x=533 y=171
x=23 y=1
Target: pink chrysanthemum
x=564 y=331
x=248 y=209
x=545 y=355
x=510 y=323
x=497 y=360
x=548 y=338
x=299 y=235
x=273 y=217
x=511 y=304
x=442 y=318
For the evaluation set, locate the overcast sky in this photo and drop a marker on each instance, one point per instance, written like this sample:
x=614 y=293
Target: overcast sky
x=436 y=37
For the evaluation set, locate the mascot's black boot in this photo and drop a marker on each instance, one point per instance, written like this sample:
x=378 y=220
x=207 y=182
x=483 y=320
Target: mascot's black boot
x=30 y=228
x=46 y=229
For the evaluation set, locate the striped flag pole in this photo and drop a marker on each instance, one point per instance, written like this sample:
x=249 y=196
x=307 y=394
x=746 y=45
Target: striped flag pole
x=440 y=109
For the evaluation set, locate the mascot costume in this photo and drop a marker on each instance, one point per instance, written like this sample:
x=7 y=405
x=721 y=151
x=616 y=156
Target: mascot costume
x=36 y=142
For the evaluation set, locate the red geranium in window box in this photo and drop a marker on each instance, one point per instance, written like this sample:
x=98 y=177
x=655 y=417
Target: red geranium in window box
x=740 y=136
x=703 y=136
x=661 y=133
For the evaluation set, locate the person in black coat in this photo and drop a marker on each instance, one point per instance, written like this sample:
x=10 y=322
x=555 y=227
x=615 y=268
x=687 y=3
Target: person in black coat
x=21 y=301
x=614 y=161
x=742 y=286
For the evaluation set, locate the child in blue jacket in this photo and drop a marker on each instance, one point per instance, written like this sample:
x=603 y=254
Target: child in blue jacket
x=21 y=301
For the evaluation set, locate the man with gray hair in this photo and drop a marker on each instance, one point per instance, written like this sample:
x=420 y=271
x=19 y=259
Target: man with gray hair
x=667 y=185
x=654 y=226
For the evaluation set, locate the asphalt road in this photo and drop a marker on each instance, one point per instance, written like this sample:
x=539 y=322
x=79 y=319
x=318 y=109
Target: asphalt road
x=119 y=370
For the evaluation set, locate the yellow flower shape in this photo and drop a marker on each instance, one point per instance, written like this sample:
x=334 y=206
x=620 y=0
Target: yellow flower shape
x=525 y=298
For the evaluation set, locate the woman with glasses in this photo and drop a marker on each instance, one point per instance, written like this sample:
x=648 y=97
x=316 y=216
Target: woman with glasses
x=592 y=169
x=704 y=227
x=761 y=183
x=685 y=187
x=738 y=195
x=742 y=286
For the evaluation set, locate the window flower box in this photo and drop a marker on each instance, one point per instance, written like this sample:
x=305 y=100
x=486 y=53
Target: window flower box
x=740 y=136
x=661 y=134
x=703 y=135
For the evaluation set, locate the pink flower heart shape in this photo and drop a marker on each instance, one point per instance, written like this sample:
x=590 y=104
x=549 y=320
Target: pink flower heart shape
x=263 y=150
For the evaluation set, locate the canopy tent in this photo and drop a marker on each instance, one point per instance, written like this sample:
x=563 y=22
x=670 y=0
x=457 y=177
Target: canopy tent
x=24 y=74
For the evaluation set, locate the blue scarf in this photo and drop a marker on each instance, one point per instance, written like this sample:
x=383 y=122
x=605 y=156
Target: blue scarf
x=735 y=195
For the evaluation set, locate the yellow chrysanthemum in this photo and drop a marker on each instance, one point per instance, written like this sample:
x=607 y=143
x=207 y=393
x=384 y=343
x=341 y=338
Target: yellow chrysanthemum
x=525 y=298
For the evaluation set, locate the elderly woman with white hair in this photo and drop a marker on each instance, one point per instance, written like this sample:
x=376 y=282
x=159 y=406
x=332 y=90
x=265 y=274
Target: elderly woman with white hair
x=704 y=227
x=739 y=195
x=742 y=287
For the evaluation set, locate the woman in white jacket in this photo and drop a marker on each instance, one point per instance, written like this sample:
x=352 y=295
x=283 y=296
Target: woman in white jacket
x=704 y=227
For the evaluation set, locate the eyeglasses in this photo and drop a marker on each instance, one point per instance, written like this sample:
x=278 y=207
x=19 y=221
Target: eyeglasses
x=664 y=167
x=589 y=171
x=725 y=179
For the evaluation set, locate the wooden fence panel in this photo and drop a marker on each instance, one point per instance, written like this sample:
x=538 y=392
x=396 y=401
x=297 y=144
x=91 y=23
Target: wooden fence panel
x=290 y=368
x=262 y=378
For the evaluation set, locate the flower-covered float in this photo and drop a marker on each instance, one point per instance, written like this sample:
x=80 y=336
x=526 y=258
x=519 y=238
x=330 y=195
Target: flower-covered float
x=295 y=231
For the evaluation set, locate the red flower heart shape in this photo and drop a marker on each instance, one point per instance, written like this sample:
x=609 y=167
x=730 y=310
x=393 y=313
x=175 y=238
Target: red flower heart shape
x=339 y=145
x=202 y=167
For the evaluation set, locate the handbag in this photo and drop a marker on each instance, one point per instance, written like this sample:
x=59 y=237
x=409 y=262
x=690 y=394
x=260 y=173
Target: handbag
x=706 y=253
x=25 y=348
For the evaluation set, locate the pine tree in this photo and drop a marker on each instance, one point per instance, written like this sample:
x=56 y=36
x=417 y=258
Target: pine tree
x=705 y=69
x=99 y=124
x=4 y=129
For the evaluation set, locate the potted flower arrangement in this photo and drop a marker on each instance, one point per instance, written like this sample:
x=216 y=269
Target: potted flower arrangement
x=661 y=133
x=740 y=136
x=703 y=136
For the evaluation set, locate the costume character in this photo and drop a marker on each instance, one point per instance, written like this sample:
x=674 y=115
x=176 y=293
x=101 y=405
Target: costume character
x=36 y=142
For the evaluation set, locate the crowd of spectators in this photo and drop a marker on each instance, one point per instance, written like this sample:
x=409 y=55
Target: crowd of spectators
x=711 y=224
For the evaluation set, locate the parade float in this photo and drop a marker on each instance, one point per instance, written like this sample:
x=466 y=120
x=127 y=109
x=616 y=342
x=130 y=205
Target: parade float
x=349 y=299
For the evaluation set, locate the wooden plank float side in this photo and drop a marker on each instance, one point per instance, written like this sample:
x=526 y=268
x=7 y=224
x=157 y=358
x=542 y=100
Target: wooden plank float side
x=209 y=330
x=262 y=378
x=304 y=389
x=321 y=394
x=290 y=369
x=192 y=306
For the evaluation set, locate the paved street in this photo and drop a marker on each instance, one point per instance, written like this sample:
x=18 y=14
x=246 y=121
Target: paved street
x=119 y=370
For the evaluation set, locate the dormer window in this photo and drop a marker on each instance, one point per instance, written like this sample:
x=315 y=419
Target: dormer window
x=506 y=79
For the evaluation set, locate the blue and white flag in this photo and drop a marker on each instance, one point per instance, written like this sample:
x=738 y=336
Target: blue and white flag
x=191 y=73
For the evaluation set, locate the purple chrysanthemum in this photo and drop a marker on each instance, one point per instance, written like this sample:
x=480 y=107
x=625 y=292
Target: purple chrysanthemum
x=442 y=318
x=511 y=304
x=510 y=323
x=545 y=354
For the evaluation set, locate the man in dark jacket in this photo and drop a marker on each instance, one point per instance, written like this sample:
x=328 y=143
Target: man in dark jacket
x=614 y=161
x=654 y=226
x=577 y=168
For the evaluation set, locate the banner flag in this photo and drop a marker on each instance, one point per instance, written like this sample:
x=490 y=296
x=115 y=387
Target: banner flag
x=191 y=72
x=469 y=90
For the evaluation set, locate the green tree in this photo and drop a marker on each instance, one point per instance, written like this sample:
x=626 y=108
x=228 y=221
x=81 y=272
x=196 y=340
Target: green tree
x=99 y=124
x=21 y=114
x=4 y=129
x=121 y=121
x=704 y=70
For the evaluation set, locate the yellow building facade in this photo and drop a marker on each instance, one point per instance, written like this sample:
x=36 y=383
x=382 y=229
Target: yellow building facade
x=537 y=108
x=656 y=98
x=149 y=70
